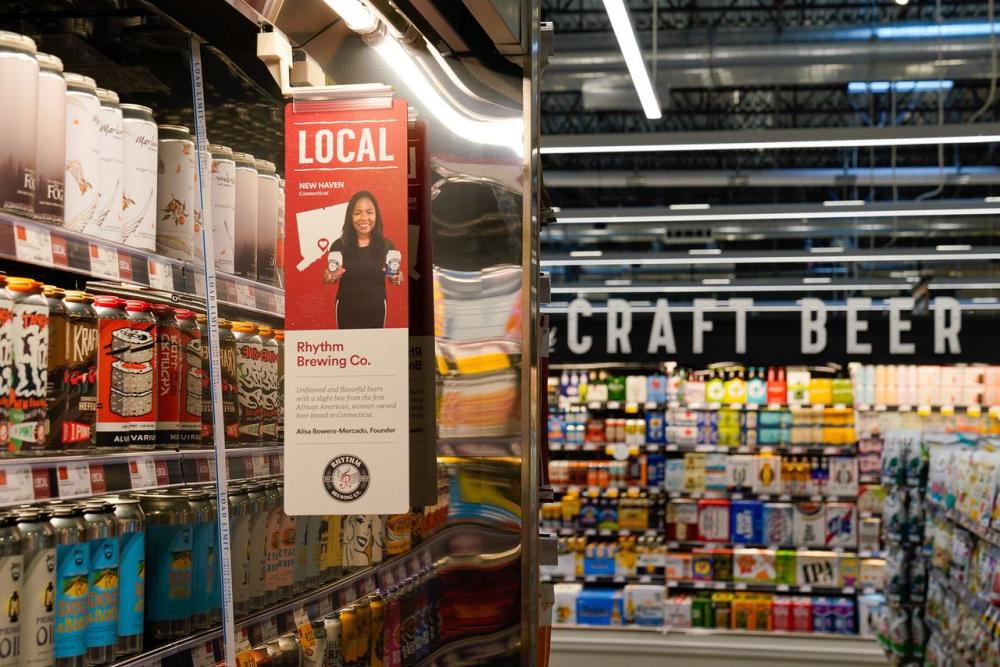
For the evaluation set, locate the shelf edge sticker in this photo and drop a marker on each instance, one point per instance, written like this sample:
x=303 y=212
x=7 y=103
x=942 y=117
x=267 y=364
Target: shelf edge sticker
x=346 y=311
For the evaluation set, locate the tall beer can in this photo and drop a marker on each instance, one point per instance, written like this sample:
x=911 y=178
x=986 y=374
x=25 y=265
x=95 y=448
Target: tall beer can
x=257 y=509
x=269 y=382
x=170 y=544
x=168 y=376
x=73 y=423
x=223 y=206
x=107 y=222
x=245 y=229
x=229 y=367
x=132 y=568
x=250 y=386
x=18 y=77
x=102 y=582
x=6 y=363
x=11 y=591
x=239 y=561
x=203 y=558
x=39 y=590
x=27 y=421
x=267 y=220
x=50 y=140
x=72 y=595
x=82 y=164
x=202 y=202
x=56 y=389
x=139 y=177
x=175 y=193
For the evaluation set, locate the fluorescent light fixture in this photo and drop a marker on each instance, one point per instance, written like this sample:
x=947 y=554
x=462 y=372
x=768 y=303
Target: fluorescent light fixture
x=505 y=132
x=622 y=25
x=358 y=18
x=844 y=202
x=771 y=212
x=928 y=86
x=705 y=251
x=655 y=142
x=714 y=256
x=877 y=306
x=586 y=253
x=902 y=3
x=827 y=249
x=555 y=209
x=715 y=281
x=689 y=207
x=953 y=248
x=984 y=299
x=932 y=30
x=816 y=281
x=991 y=200
x=725 y=285
x=617 y=283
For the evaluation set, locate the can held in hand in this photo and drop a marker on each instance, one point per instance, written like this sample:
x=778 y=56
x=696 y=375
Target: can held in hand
x=139 y=177
x=50 y=142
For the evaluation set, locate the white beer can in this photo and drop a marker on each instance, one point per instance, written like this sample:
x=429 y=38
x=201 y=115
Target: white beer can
x=83 y=152
x=245 y=230
x=19 y=80
x=267 y=220
x=107 y=224
x=175 y=193
x=223 y=206
x=139 y=181
x=202 y=202
x=50 y=143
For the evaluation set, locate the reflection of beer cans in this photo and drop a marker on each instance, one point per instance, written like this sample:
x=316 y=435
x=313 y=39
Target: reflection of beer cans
x=175 y=193
x=267 y=220
x=245 y=228
x=139 y=177
x=170 y=542
x=50 y=146
x=256 y=509
x=83 y=157
x=240 y=541
x=30 y=333
x=107 y=221
x=223 y=206
x=38 y=599
x=18 y=72
x=334 y=260
x=103 y=582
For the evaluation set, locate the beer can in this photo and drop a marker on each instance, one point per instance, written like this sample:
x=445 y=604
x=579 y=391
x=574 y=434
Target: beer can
x=82 y=162
x=18 y=72
x=376 y=651
x=267 y=220
x=168 y=376
x=27 y=421
x=202 y=201
x=269 y=386
x=257 y=509
x=248 y=354
x=348 y=636
x=286 y=565
x=50 y=140
x=132 y=569
x=223 y=206
x=239 y=560
x=11 y=592
x=38 y=590
x=126 y=406
x=56 y=388
x=334 y=656
x=6 y=364
x=190 y=375
x=102 y=582
x=332 y=565
x=272 y=561
x=303 y=531
x=245 y=229
x=359 y=541
x=207 y=434
x=170 y=544
x=313 y=572
x=279 y=339
x=229 y=368
x=778 y=524
x=202 y=557
x=279 y=248
x=289 y=654
x=139 y=160
x=398 y=529
x=313 y=656
x=362 y=651
x=175 y=193
x=107 y=220
x=72 y=594
x=72 y=422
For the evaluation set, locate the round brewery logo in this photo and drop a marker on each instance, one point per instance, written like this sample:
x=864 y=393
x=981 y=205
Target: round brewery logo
x=346 y=478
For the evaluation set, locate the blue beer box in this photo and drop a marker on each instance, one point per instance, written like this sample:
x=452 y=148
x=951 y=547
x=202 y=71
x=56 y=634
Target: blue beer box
x=746 y=522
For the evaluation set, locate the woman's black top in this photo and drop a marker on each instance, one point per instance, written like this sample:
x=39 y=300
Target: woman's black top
x=361 y=295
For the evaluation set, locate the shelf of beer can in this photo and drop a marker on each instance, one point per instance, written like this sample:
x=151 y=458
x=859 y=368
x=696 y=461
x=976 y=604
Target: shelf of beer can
x=660 y=448
x=636 y=408
x=591 y=532
x=730 y=495
x=33 y=479
x=736 y=586
x=32 y=242
x=605 y=579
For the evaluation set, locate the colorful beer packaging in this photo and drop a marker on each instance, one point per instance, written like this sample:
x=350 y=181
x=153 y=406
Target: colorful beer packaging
x=126 y=401
x=230 y=370
x=249 y=351
x=168 y=395
x=190 y=379
x=28 y=427
x=72 y=421
x=269 y=385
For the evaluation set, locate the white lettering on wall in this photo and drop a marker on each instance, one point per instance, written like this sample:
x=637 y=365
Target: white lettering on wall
x=897 y=325
x=947 y=325
x=856 y=326
x=662 y=334
x=576 y=344
x=741 y=306
x=701 y=325
x=813 y=329
x=617 y=338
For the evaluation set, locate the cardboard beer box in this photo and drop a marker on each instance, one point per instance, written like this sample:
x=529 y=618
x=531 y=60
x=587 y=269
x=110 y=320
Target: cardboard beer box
x=739 y=472
x=767 y=474
x=809 y=525
x=817 y=568
x=564 y=609
x=754 y=566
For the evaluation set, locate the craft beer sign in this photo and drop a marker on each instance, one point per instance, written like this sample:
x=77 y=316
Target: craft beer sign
x=731 y=329
x=346 y=341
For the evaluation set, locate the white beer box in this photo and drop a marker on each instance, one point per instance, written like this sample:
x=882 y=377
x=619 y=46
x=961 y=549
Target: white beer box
x=817 y=568
x=677 y=612
x=644 y=604
x=809 y=525
x=739 y=471
x=843 y=479
x=564 y=609
x=767 y=474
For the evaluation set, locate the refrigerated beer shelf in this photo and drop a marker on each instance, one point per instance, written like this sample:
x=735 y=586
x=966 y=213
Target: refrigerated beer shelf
x=766 y=587
x=637 y=408
x=659 y=448
x=39 y=478
x=52 y=247
x=731 y=495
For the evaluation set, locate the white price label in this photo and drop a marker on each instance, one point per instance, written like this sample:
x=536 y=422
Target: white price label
x=161 y=275
x=783 y=588
x=590 y=579
x=16 y=485
x=619 y=579
x=805 y=589
x=74 y=480
x=699 y=584
x=104 y=261
x=33 y=245
x=203 y=655
x=739 y=587
x=142 y=472
x=245 y=295
x=645 y=579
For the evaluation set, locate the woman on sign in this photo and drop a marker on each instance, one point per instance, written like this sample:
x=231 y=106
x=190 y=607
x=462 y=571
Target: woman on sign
x=362 y=260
